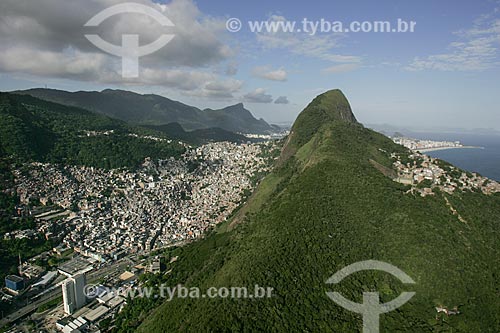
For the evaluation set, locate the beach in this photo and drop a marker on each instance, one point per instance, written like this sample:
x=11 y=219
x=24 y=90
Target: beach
x=445 y=148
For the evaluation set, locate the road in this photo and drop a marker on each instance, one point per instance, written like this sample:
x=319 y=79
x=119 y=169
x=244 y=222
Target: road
x=30 y=307
x=91 y=277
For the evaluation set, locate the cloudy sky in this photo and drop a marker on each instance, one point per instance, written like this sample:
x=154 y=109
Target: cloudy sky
x=446 y=73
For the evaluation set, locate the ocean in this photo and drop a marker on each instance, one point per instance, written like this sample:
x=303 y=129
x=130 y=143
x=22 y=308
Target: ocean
x=484 y=161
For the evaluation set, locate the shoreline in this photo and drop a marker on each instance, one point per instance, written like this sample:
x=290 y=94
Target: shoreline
x=425 y=150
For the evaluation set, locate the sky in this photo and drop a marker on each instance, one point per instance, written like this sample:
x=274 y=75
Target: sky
x=443 y=74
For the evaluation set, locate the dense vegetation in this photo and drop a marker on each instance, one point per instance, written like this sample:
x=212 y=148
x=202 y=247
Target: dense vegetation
x=155 y=110
x=325 y=206
x=199 y=136
x=36 y=130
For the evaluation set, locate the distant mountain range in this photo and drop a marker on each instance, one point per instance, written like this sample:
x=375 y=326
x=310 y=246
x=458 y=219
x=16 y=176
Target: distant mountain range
x=156 y=110
x=198 y=136
x=36 y=130
x=32 y=129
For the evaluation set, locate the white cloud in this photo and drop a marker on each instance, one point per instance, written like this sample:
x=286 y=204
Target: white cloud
x=282 y=100
x=231 y=69
x=317 y=46
x=66 y=64
x=96 y=67
x=222 y=89
x=258 y=96
x=47 y=40
x=342 y=68
x=179 y=79
x=265 y=72
x=476 y=50
x=226 y=85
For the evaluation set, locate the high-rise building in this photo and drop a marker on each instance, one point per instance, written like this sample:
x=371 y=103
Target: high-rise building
x=73 y=293
x=68 y=296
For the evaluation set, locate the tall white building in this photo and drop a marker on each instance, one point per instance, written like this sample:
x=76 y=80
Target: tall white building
x=73 y=295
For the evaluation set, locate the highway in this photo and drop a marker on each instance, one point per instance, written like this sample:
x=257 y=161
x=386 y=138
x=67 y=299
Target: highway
x=91 y=277
x=30 y=307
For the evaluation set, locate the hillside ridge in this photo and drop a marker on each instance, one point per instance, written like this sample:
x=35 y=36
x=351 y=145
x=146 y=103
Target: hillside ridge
x=150 y=109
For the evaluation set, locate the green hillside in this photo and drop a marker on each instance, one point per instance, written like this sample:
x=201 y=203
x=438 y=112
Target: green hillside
x=155 y=110
x=199 y=136
x=325 y=206
x=35 y=130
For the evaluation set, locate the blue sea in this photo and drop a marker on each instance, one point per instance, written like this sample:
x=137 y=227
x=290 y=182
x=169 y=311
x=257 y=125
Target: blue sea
x=484 y=161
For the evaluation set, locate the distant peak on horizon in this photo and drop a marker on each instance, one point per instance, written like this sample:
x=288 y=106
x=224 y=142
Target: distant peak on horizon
x=237 y=105
x=151 y=109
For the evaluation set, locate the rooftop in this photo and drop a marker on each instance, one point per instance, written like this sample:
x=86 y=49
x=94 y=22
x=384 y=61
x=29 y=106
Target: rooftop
x=73 y=266
x=97 y=313
x=14 y=278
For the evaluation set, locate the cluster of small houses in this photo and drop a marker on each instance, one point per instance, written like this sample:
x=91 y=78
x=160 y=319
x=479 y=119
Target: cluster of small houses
x=425 y=168
x=163 y=203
